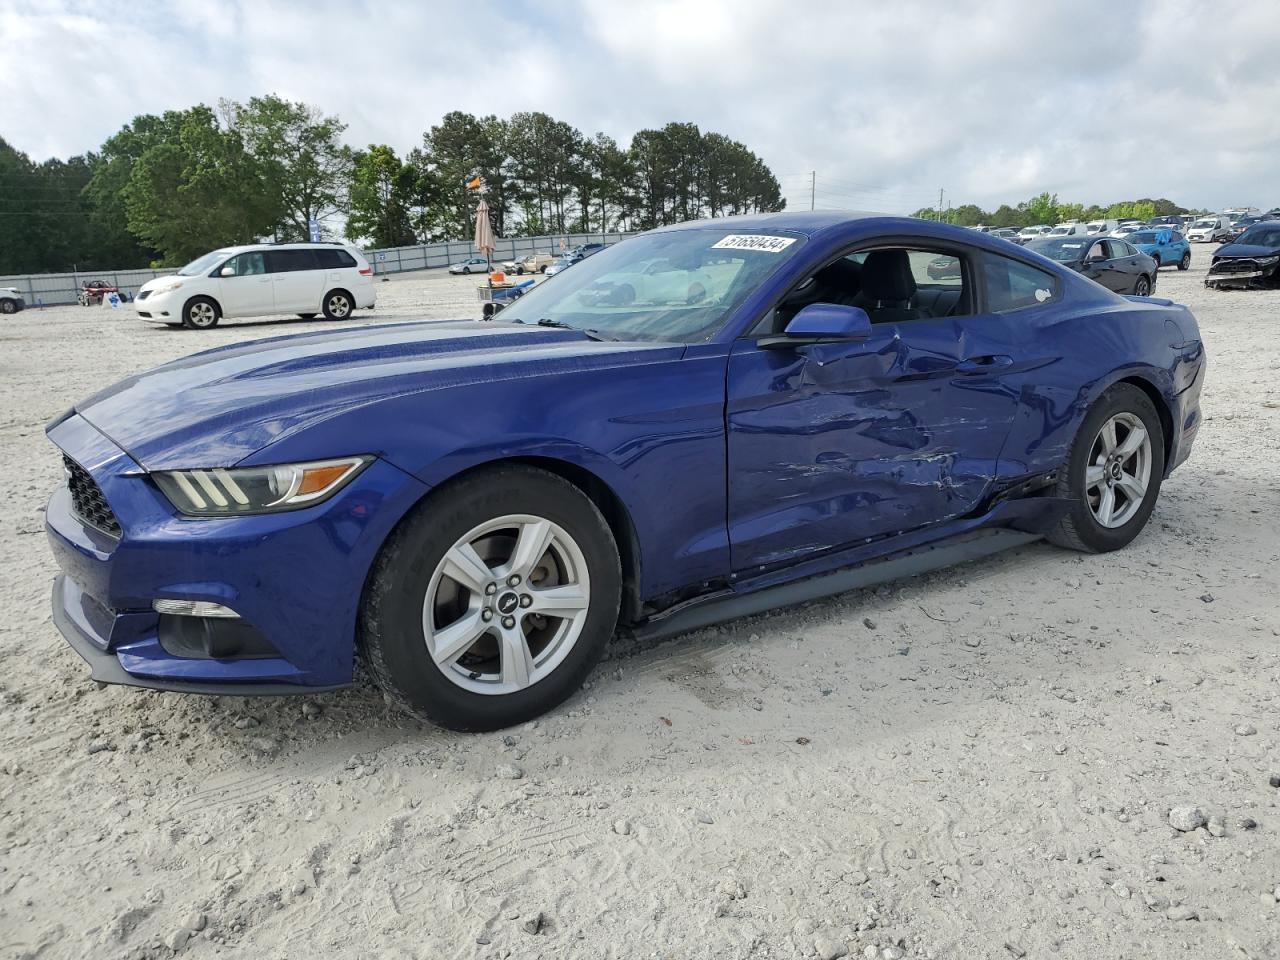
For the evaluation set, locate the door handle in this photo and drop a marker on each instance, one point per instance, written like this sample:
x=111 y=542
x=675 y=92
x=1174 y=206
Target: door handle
x=990 y=364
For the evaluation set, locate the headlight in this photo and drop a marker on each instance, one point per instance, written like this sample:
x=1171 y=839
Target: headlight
x=249 y=490
x=1268 y=261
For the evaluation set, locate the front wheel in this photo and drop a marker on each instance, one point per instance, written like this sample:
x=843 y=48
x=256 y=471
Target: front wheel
x=1113 y=472
x=466 y=270
x=1185 y=262
x=200 y=313
x=8 y=306
x=492 y=601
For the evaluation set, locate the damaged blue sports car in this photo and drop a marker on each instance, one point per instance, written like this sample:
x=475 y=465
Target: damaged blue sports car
x=700 y=422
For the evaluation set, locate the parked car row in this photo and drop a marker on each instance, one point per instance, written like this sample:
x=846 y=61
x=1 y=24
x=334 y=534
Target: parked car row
x=544 y=263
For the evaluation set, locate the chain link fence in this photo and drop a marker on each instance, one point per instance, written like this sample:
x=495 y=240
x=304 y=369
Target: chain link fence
x=50 y=289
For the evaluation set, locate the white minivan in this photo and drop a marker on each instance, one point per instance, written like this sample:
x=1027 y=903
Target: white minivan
x=260 y=280
x=1209 y=230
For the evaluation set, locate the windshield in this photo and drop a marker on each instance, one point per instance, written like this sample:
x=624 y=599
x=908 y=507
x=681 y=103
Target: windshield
x=1060 y=231
x=1260 y=236
x=677 y=285
x=1063 y=249
x=203 y=264
x=1204 y=223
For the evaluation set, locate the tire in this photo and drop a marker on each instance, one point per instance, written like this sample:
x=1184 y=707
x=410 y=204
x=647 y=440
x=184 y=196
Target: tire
x=1156 y=258
x=338 y=305
x=306 y=316
x=466 y=270
x=1142 y=287
x=519 y=271
x=1086 y=527
x=412 y=604
x=1185 y=262
x=200 y=313
x=8 y=306
x=543 y=269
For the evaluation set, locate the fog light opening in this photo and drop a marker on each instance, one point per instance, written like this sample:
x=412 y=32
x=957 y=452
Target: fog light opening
x=194 y=608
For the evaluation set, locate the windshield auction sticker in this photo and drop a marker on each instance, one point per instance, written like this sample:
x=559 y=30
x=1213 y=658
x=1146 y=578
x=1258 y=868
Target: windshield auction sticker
x=754 y=241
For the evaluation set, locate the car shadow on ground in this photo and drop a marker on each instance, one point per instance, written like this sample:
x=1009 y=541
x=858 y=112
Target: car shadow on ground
x=920 y=643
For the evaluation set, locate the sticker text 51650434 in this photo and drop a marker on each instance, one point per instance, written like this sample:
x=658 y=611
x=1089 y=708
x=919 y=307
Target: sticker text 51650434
x=754 y=241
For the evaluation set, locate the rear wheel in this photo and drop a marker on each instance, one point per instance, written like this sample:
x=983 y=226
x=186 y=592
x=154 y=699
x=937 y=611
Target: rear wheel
x=1113 y=472
x=1142 y=288
x=492 y=601
x=338 y=305
x=1156 y=258
x=1185 y=262
x=200 y=313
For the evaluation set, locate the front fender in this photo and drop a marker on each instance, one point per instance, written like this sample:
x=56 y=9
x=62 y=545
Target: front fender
x=653 y=434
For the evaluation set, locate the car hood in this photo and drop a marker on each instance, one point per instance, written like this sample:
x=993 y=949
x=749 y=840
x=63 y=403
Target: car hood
x=218 y=407
x=163 y=281
x=1245 y=250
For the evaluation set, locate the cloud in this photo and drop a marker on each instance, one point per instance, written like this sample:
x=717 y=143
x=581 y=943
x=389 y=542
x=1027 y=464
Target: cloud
x=888 y=103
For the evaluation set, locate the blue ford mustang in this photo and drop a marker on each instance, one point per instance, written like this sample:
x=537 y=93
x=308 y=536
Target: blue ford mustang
x=700 y=422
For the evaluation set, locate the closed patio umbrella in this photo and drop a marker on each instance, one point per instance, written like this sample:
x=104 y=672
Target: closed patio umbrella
x=484 y=235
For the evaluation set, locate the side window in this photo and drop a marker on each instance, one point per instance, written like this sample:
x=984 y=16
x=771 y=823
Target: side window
x=290 y=261
x=897 y=284
x=1013 y=285
x=334 y=259
x=1121 y=249
x=245 y=265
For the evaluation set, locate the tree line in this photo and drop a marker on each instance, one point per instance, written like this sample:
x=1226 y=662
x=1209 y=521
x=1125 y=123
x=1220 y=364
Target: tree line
x=1046 y=208
x=165 y=189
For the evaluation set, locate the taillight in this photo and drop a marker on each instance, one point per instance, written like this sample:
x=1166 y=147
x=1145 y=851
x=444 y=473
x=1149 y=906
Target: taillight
x=366 y=271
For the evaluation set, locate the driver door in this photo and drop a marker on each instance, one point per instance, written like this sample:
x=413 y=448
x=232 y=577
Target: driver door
x=1100 y=266
x=248 y=290
x=834 y=444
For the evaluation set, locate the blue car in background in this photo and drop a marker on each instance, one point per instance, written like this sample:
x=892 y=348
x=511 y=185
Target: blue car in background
x=701 y=422
x=1166 y=247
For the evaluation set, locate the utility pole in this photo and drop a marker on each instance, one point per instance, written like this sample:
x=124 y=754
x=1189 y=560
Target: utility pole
x=813 y=187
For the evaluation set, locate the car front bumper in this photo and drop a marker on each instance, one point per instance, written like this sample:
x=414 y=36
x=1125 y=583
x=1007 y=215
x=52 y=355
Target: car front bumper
x=295 y=578
x=158 y=308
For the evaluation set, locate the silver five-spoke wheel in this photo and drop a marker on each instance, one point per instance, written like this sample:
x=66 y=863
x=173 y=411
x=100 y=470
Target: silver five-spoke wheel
x=1118 y=470
x=506 y=604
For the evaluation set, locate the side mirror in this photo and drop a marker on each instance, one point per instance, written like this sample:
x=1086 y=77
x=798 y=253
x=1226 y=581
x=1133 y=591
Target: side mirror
x=227 y=272
x=822 y=322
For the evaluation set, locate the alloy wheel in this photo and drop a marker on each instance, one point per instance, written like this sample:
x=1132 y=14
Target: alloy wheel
x=203 y=315
x=1118 y=470
x=339 y=306
x=506 y=604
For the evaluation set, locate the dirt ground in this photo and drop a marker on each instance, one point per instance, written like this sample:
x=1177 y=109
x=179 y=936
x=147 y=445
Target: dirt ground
x=977 y=763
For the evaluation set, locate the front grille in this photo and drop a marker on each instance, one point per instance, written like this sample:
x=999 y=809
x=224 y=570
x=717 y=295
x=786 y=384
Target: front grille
x=1237 y=265
x=87 y=499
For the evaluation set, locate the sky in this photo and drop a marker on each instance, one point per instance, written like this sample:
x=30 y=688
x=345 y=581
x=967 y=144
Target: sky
x=885 y=104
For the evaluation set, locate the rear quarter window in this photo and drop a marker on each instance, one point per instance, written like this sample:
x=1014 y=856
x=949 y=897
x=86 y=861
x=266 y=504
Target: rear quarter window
x=335 y=259
x=1013 y=285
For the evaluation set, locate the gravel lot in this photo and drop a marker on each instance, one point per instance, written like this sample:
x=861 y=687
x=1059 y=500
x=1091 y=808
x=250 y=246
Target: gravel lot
x=978 y=763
